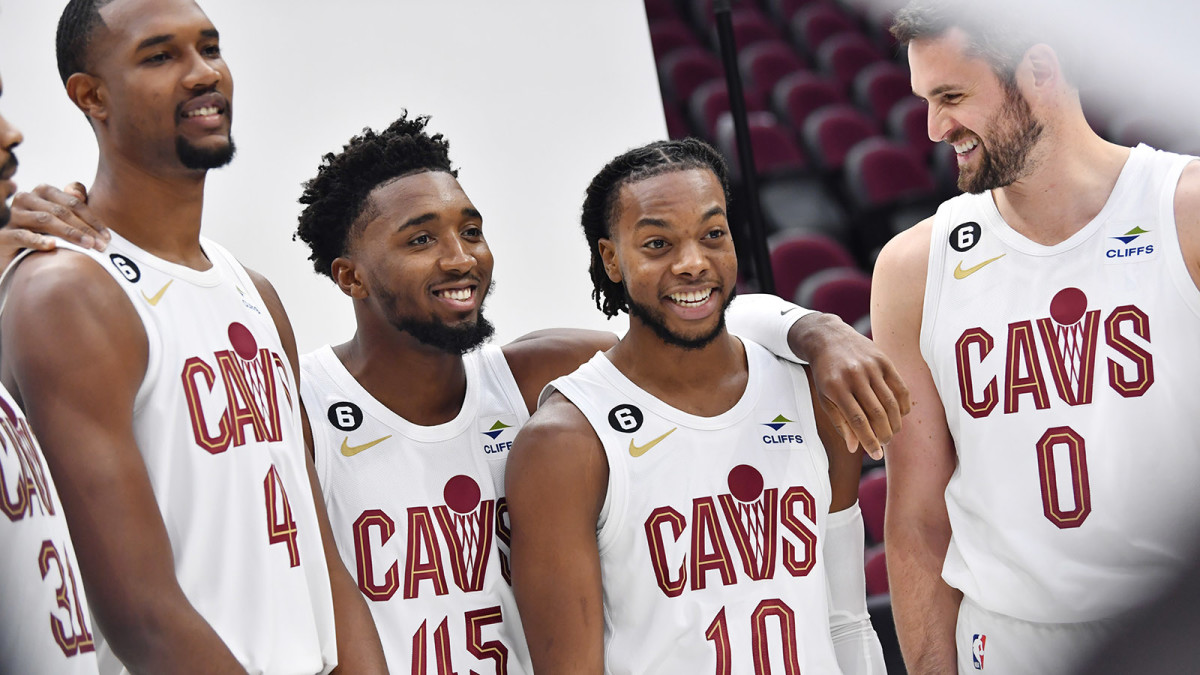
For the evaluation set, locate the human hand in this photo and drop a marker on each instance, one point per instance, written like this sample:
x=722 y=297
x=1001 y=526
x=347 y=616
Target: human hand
x=858 y=386
x=48 y=210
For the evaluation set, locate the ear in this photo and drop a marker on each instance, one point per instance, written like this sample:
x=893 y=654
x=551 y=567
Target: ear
x=1042 y=66
x=89 y=95
x=345 y=275
x=608 y=255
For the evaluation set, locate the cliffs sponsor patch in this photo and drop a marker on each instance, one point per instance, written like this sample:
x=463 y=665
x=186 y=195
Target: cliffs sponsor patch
x=783 y=431
x=1129 y=247
x=498 y=434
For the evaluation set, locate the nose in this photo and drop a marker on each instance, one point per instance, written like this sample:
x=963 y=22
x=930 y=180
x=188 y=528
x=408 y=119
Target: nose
x=10 y=136
x=939 y=124
x=204 y=73
x=690 y=259
x=457 y=257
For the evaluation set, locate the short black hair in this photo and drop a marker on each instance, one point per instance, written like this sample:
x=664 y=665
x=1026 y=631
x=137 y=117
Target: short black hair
x=601 y=206
x=76 y=25
x=337 y=198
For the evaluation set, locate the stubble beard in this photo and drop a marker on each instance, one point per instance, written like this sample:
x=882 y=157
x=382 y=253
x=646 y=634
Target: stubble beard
x=201 y=159
x=1005 y=159
x=658 y=325
x=433 y=332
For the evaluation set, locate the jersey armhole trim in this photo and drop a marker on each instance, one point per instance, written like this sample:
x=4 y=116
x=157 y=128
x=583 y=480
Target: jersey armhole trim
x=1176 y=264
x=934 y=277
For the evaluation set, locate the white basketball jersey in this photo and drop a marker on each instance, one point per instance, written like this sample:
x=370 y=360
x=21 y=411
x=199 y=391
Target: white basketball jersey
x=217 y=421
x=44 y=622
x=711 y=531
x=419 y=516
x=1069 y=378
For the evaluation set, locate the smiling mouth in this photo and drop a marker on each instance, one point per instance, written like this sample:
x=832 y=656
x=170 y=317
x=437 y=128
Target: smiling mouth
x=202 y=112
x=459 y=294
x=691 y=298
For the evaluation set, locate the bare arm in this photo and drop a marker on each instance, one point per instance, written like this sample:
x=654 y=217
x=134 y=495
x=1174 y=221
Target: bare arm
x=539 y=357
x=79 y=394
x=1187 y=218
x=920 y=460
x=555 y=485
x=358 y=646
x=857 y=385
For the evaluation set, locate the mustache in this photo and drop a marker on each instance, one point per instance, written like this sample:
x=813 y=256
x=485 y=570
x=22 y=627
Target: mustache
x=10 y=167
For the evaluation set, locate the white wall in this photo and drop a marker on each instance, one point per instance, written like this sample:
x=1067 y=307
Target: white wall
x=534 y=95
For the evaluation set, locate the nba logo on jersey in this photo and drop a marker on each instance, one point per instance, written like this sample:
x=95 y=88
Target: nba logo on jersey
x=977 y=644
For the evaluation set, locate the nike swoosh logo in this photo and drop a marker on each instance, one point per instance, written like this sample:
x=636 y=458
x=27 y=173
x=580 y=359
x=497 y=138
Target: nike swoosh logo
x=153 y=300
x=636 y=451
x=960 y=273
x=352 y=450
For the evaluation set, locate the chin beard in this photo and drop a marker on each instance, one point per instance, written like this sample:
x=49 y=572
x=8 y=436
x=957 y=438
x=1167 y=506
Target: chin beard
x=193 y=157
x=659 y=326
x=456 y=340
x=1005 y=160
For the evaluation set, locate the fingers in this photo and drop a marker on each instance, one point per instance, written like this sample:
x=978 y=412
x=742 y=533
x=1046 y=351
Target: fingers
x=865 y=418
x=48 y=210
x=899 y=390
x=12 y=241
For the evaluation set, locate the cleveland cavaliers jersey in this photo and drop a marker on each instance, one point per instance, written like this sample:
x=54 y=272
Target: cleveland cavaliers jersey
x=1069 y=378
x=217 y=422
x=419 y=516
x=711 y=531
x=44 y=622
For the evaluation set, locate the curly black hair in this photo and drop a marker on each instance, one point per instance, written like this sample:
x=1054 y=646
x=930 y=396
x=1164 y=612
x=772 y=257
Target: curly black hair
x=601 y=207
x=337 y=198
x=76 y=24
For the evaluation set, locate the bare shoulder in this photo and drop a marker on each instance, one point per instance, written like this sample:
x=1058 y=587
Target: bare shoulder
x=541 y=356
x=907 y=254
x=1187 y=217
x=557 y=452
x=898 y=283
x=557 y=425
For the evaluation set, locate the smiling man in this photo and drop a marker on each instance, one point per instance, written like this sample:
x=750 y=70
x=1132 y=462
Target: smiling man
x=161 y=378
x=674 y=507
x=1046 y=323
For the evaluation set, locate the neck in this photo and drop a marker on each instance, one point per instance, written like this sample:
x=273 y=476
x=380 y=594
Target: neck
x=422 y=384
x=157 y=212
x=1074 y=173
x=706 y=381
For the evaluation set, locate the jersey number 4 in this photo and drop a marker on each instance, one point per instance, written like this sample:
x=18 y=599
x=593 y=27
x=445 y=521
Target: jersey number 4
x=281 y=527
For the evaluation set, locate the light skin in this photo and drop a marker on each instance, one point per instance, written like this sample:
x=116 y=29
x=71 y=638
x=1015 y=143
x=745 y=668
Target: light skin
x=1070 y=176
x=671 y=238
x=155 y=57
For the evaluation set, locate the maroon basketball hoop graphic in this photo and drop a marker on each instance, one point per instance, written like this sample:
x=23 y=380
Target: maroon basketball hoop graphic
x=1069 y=336
x=465 y=521
x=256 y=377
x=750 y=512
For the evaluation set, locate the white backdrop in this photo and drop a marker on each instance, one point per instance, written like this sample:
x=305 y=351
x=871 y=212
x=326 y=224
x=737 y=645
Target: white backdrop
x=534 y=95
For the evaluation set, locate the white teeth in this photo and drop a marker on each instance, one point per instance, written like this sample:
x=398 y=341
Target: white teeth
x=456 y=293
x=691 y=297
x=963 y=148
x=201 y=112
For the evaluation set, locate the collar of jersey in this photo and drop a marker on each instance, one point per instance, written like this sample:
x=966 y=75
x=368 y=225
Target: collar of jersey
x=209 y=277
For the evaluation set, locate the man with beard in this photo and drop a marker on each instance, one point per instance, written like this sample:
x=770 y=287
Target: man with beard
x=680 y=504
x=412 y=419
x=160 y=378
x=1046 y=324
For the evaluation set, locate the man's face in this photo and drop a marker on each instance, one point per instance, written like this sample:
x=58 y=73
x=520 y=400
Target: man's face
x=425 y=262
x=989 y=124
x=167 y=89
x=9 y=139
x=671 y=250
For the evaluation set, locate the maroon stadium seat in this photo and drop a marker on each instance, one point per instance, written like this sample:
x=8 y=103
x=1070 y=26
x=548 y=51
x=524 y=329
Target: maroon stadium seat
x=876 y=571
x=685 y=69
x=797 y=257
x=660 y=9
x=710 y=100
x=667 y=35
x=750 y=26
x=845 y=292
x=880 y=86
x=843 y=56
x=775 y=148
x=883 y=173
x=872 y=498
x=766 y=63
x=830 y=133
x=784 y=10
x=907 y=123
x=798 y=95
x=815 y=24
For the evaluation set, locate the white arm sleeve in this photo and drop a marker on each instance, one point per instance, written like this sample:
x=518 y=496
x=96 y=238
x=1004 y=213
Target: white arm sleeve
x=766 y=319
x=854 y=640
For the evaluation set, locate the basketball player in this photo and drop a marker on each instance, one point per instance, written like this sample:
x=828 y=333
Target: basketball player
x=37 y=569
x=1046 y=322
x=673 y=507
x=413 y=399
x=160 y=379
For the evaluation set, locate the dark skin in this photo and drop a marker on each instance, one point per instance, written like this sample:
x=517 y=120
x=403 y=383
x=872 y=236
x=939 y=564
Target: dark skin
x=671 y=236
x=80 y=394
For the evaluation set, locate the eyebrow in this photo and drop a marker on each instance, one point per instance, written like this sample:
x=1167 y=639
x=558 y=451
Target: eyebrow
x=167 y=37
x=659 y=222
x=426 y=217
